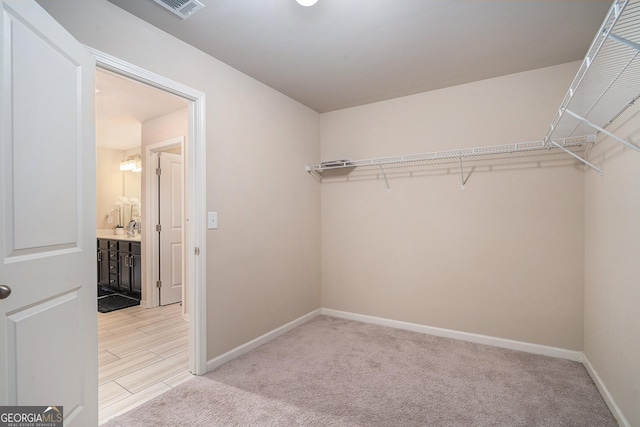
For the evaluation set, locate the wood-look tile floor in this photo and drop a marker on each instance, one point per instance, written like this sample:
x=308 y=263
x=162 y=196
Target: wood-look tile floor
x=142 y=352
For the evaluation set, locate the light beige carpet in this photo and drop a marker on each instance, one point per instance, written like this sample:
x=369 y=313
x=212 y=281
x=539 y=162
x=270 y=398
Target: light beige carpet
x=335 y=372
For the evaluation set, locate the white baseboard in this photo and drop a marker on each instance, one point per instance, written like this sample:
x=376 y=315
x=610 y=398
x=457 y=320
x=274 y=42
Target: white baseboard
x=576 y=356
x=255 y=343
x=604 y=392
x=561 y=353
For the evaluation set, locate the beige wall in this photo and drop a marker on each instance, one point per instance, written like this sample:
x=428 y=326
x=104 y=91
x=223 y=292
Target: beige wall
x=262 y=262
x=612 y=266
x=166 y=127
x=132 y=180
x=504 y=257
x=109 y=184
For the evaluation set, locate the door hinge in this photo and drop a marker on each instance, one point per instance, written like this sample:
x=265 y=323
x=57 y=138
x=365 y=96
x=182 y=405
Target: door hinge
x=197 y=250
x=158 y=171
x=158 y=227
x=159 y=284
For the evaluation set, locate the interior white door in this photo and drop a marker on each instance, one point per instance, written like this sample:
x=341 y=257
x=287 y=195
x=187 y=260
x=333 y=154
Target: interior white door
x=48 y=323
x=171 y=202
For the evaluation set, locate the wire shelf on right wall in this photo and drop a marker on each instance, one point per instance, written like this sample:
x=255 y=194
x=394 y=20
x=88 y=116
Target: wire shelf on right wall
x=608 y=81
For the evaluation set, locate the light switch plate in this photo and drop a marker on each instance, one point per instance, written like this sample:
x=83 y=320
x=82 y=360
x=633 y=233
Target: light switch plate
x=212 y=220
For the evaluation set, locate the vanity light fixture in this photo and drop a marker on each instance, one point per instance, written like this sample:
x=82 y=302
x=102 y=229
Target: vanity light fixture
x=307 y=2
x=131 y=163
x=126 y=165
x=137 y=167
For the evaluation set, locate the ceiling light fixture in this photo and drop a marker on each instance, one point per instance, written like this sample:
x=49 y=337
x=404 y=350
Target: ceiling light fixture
x=307 y=2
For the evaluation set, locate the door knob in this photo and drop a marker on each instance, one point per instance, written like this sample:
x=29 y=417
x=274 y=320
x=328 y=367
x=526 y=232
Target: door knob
x=5 y=291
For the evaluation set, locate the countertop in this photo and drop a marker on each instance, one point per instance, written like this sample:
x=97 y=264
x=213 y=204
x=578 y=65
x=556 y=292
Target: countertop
x=110 y=234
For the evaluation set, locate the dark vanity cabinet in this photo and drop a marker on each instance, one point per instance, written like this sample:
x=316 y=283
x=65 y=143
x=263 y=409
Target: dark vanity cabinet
x=130 y=266
x=103 y=262
x=120 y=266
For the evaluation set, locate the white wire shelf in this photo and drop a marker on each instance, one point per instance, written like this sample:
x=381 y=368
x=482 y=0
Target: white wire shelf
x=456 y=156
x=608 y=80
x=607 y=83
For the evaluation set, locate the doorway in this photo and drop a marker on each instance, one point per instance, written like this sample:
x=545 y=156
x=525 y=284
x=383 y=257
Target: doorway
x=142 y=348
x=195 y=163
x=166 y=209
x=194 y=155
x=130 y=117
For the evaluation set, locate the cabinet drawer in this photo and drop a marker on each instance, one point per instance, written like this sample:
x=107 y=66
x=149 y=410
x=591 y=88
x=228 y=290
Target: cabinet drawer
x=113 y=256
x=103 y=244
x=113 y=267
x=113 y=245
x=113 y=280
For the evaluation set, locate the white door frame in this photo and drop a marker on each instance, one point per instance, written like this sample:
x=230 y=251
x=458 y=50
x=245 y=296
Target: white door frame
x=195 y=162
x=151 y=217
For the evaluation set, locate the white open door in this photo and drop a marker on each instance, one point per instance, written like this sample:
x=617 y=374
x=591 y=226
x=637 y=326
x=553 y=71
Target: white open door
x=48 y=330
x=171 y=202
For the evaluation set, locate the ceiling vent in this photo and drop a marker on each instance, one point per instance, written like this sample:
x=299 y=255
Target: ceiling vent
x=182 y=8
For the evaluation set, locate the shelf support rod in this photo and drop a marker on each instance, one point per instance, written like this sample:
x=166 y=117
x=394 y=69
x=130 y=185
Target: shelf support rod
x=385 y=179
x=625 y=42
x=461 y=175
x=606 y=132
x=571 y=153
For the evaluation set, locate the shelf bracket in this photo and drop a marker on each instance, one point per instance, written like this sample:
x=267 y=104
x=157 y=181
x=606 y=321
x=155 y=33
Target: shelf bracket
x=600 y=129
x=385 y=179
x=572 y=154
x=461 y=175
x=625 y=42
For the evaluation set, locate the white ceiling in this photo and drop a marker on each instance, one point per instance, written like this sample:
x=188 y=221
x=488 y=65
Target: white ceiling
x=343 y=53
x=122 y=105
